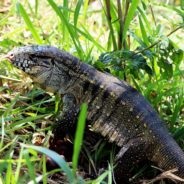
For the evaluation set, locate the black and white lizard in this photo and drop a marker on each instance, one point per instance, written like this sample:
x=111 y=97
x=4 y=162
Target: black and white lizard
x=115 y=109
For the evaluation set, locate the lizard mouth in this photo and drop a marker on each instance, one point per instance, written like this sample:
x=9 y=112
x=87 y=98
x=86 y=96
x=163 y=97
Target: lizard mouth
x=20 y=64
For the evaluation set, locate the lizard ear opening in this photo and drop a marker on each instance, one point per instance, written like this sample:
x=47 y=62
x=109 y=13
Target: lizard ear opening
x=42 y=60
x=33 y=58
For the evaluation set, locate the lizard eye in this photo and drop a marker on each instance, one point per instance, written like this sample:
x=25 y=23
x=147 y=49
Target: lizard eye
x=11 y=55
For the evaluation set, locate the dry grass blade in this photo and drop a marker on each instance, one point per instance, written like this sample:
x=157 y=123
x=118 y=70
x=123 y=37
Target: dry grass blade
x=5 y=6
x=165 y=175
x=4 y=10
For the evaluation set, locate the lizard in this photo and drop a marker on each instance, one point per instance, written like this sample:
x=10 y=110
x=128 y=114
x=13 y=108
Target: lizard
x=116 y=110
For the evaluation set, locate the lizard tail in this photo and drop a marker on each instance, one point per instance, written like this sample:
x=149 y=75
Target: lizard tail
x=168 y=155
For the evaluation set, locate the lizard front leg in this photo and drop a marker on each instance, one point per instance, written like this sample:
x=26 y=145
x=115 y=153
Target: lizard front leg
x=64 y=125
x=66 y=120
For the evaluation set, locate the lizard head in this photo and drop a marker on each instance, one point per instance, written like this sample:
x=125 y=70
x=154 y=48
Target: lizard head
x=36 y=61
x=31 y=59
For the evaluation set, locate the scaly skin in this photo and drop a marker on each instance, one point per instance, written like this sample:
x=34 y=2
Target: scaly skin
x=115 y=109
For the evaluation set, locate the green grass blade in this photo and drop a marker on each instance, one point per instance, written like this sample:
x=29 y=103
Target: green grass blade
x=21 y=123
x=100 y=179
x=66 y=9
x=7 y=146
x=19 y=164
x=29 y=24
x=114 y=16
x=108 y=15
x=65 y=34
x=11 y=105
x=73 y=34
x=129 y=17
x=30 y=166
x=85 y=8
x=2 y=132
x=32 y=12
x=90 y=38
x=79 y=136
x=110 y=179
x=143 y=15
x=36 y=7
x=137 y=39
x=177 y=10
x=178 y=107
x=143 y=32
x=56 y=158
x=77 y=11
x=9 y=173
x=182 y=4
x=44 y=170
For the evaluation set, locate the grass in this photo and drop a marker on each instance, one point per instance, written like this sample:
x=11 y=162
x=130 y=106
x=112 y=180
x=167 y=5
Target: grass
x=86 y=30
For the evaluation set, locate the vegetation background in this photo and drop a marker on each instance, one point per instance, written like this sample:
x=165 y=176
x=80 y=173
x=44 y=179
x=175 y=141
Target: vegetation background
x=140 y=41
